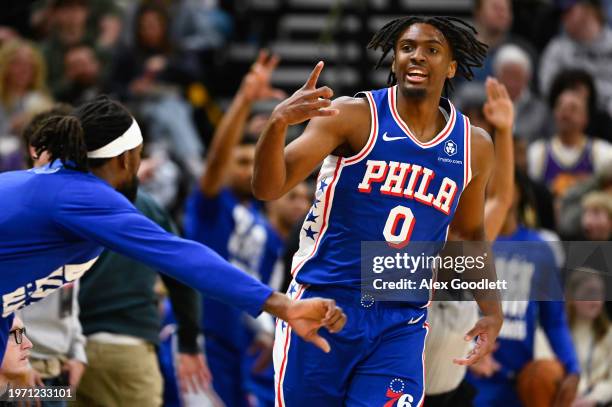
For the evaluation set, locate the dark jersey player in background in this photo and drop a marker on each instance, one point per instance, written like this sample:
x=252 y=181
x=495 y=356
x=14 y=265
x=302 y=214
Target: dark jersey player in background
x=55 y=221
x=222 y=214
x=399 y=164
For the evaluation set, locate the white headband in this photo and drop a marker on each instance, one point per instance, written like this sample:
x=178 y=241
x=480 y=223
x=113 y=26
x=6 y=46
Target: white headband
x=132 y=138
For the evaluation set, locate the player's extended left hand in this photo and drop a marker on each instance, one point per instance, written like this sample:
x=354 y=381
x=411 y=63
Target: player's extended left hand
x=306 y=317
x=485 y=331
x=498 y=109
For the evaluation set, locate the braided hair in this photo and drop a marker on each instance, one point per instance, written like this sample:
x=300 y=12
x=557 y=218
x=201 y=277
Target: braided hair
x=68 y=137
x=466 y=49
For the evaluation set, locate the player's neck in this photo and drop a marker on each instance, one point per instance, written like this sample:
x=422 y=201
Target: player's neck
x=421 y=115
x=107 y=175
x=572 y=139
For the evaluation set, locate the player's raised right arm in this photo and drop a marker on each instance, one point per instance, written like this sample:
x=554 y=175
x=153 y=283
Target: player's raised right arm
x=278 y=169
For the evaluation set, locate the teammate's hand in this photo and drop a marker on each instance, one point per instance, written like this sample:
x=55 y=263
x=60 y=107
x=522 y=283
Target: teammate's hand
x=567 y=391
x=498 y=109
x=75 y=369
x=306 y=317
x=193 y=373
x=307 y=102
x=256 y=84
x=487 y=366
x=34 y=379
x=262 y=346
x=485 y=331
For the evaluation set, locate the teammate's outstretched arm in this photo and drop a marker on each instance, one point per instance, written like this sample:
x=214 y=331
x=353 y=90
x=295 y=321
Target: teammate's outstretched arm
x=255 y=86
x=108 y=219
x=499 y=111
x=468 y=224
x=278 y=169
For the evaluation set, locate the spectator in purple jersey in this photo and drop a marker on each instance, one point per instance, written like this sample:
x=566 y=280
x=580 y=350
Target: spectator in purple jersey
x=571 y=155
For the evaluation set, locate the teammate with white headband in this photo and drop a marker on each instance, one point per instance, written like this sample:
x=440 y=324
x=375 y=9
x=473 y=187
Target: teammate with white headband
x=129 y=140
x=56 y=220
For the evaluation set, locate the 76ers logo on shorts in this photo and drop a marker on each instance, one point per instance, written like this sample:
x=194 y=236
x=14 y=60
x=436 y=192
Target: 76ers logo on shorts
x=450 y=148
x=396 y=393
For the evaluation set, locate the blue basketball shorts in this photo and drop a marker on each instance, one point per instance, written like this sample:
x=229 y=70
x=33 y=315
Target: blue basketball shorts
x=376 y=360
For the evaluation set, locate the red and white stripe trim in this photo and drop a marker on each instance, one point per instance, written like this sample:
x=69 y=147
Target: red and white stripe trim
x=341 y=162
x=400 y=122
x=427 y=327
x=467 y=151
x=329 y=196
x=282 y=369
x=369 y=146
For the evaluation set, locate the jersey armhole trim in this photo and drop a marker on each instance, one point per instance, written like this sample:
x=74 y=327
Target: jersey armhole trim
x=369 y=146
x=467 y=159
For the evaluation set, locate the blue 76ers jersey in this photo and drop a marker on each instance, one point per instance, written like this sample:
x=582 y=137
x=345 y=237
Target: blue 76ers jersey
x=396 y=189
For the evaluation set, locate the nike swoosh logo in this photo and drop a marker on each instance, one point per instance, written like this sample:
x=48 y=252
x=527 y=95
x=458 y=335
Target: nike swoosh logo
x=414 y=321
x=387 y=138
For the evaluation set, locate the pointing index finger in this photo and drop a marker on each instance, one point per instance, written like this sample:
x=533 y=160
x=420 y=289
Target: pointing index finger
x=314 y=76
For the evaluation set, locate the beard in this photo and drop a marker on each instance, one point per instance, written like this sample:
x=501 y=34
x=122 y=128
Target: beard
x=129 y=189
x=414 y=93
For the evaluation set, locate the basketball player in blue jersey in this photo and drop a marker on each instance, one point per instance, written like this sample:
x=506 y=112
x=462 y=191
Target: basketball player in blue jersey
x=399 y=164
x=55 y=220
x=222 y=214
x=535 y=267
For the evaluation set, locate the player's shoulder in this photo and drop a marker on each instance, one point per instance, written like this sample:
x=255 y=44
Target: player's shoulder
x=481 y=137
x=601 y=144
x=538 y=144
x=483 y=152
x=550 y=244
x=81 y=189
x=353 y=114
x=351 y=104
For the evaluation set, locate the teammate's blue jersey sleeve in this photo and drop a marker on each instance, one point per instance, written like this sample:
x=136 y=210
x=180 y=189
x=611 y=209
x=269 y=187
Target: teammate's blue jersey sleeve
x=554 y=323
x=113 y=222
